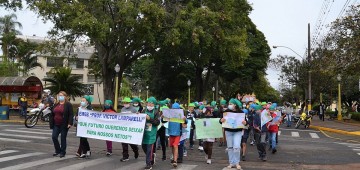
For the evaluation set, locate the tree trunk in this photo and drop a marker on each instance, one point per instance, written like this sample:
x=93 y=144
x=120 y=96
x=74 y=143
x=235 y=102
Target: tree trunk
x=199 y=84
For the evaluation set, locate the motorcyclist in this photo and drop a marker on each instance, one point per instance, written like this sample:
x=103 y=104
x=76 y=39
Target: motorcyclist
x=47 y=99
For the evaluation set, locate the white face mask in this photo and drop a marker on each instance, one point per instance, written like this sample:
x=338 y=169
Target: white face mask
x=83 y=104
x=135 y=104
x=150 y=108
x=231 y=107
x=204 y=110
x=126 y=105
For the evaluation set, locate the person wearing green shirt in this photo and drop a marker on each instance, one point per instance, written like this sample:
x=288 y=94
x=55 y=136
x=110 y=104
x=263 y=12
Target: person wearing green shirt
x=149 y=139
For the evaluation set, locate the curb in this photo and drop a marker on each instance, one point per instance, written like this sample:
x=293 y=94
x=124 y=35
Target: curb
x=355 y=133
x=12 y=121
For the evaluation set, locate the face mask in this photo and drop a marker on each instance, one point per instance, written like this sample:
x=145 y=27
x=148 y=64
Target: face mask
x=126 y=105
x=136 y=104
x=150 y=108
x=83 y=104
x=231 y=107
x=204 y=110
x=61 y=98
x=107 y=107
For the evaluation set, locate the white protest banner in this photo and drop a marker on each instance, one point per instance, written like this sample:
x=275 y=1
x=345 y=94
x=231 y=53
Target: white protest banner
x=265 y=117
x=118 y=127
x=173 y=115
x=234 y=120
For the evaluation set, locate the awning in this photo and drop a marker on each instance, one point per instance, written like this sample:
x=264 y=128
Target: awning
x=20 y=84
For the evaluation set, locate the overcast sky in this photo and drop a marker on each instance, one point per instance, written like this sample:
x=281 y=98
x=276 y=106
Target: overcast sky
x=284 y=23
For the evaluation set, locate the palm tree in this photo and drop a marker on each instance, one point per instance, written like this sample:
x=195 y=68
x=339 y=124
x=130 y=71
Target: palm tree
x=25 y=53
x=29 y=62
x=8 y=26
x=64 y=81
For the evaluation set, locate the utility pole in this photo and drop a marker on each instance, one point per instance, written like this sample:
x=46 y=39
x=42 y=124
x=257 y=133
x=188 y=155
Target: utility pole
x=309 y=62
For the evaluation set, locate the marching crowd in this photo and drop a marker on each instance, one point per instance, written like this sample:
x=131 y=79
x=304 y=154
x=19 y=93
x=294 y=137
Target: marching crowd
x=174 y=134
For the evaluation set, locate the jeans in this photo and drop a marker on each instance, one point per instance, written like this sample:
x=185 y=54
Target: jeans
x=272 y=140
x=192 y=137
x=84 y=146
x=149 y=152
x=233 y=140
x=23 y=111
x=161 y=134
x=260 y=138
x=57 y=130
x=251 y=133
x=109 y=146
x=288 y=119
x=125 y=147
x=181 y=150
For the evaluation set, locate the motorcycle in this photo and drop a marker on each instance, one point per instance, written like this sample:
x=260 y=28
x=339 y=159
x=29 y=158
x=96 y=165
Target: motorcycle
x=304 y=120
x=42 y=113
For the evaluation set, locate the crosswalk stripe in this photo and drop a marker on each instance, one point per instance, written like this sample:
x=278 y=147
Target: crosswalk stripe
x=36 y=163
x=279 y=133
x=295 y=134
x=9 y=158
x=137 y=165
x=23 y=136
x=23 y=131
x=358 y=153
x=14 y=140
x=356 y=149
x=86 y=164
x=314 y=135
x=185 y=167
x=7 y=151
x=40 y=130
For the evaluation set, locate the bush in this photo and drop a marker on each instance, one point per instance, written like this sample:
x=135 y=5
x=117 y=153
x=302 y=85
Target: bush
x=355 y=116
x=329 y=112
x=316 y=107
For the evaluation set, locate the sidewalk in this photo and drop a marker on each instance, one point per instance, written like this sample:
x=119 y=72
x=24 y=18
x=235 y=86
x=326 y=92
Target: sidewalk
x=15 y=118
x=335 y=126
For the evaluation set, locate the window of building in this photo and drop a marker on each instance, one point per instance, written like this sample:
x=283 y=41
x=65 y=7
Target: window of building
x=54 y=62
x=92 y=79
x=76 y=63
x=81 y=77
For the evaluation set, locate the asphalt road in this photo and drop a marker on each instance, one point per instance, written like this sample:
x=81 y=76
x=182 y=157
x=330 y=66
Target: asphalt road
x=22 y=148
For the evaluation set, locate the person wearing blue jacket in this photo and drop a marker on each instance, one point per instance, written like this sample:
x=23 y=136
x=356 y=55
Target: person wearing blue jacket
x=175 y=132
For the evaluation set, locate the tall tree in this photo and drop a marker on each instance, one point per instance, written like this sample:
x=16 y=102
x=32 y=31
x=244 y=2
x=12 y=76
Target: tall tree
x=8 y=29
x=121 y=31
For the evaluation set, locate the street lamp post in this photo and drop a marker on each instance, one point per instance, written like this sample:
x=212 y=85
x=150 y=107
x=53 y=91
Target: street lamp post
x=189 y=84
x=117 y=70
x=147 y=92
x=339 y=116
x=140 y=93
x=213 y=89
x=309 y=71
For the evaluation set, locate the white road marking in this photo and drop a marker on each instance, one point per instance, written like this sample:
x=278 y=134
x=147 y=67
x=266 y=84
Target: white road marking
x=84 y=165
x=279 y=133
x=295 y=134
x=358 y=154
x=9 y=158
x=314 y=135
x=23 y=136
x=40 y=130
x=185 y=167
x=14 y=140
x=23 y=131
x=7 y=151
x=36 y=163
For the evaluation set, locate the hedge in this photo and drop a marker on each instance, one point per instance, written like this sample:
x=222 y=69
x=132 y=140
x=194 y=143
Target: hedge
x=355 y=116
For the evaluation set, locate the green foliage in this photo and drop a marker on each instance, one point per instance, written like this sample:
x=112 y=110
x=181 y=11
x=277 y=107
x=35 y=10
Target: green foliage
x=64 y=81
x=355 y=116
x=11 y=4
x=8 y=69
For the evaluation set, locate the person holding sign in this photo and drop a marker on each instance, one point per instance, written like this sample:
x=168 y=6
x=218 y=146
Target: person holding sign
x=208 y=142
x=191 y=115
x=232 y=131
x=108 y=109
x=260 y=132
x=161 y=133
x=60 y=122
x=137 y=104
x=84 y=147
x=175 y=132
x=152 y=121
x=273 y=127
x=125 y=146
x=223 y=107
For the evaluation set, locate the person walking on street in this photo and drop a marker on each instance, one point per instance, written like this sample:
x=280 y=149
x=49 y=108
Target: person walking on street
x=60 y=122
x=84 y=147
x=233 y=136
x=322 y=109
x=175 y=132
x=288 y=111
x=125 y=146
x=152 y=121
x=260 y=134
x=273 y=128
x=223 y=107
x=245 y=136
x=191 y=115
x=161 y=133
x=108 y=109
x=208 y=142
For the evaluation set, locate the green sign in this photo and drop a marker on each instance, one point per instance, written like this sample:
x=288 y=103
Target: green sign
x=208 y=128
